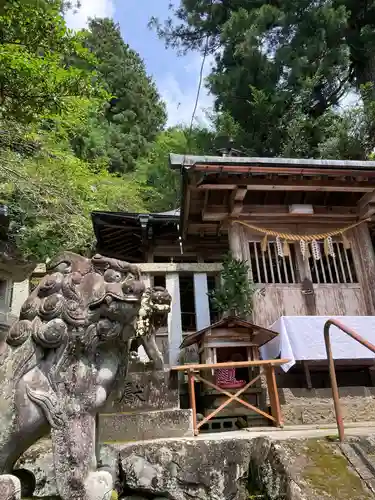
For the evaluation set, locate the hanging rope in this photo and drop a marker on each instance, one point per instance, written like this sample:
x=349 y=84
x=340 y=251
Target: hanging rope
x=299 y=237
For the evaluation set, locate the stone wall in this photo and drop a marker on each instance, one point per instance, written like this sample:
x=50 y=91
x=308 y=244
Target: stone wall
x=10 y=306
x=6 y=320
x=315 y=406
x=225 y=468
x=148 y=409
x=175 y=469
x=124 y=427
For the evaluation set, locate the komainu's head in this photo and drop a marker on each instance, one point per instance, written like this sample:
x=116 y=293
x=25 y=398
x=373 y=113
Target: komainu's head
x=81 y=301
x=155 y=306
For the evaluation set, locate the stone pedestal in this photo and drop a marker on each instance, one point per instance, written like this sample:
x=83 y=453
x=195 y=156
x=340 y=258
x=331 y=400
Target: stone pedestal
x=125 y=427
x=150 y=409
x=146 y=391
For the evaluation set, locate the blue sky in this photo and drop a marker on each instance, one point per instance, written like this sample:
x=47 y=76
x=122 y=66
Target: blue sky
x=176 y=77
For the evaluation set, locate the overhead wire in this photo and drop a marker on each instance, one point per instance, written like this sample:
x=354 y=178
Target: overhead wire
x=188 y=139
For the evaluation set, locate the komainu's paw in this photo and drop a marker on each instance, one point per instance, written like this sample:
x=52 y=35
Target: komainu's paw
x=99 y=485
x=10 y=487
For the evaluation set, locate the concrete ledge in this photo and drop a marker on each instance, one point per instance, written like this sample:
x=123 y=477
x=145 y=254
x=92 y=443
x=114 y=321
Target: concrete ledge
x=122 y=427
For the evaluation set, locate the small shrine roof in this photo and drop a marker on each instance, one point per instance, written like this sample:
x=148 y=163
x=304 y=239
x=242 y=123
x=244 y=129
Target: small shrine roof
x=263 y=335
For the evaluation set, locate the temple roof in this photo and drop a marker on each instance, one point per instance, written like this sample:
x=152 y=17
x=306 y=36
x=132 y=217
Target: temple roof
x=178 y=161
x=216 y=189
x=124 y=235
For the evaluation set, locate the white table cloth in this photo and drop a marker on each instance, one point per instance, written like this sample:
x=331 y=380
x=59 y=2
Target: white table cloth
x=301 y=338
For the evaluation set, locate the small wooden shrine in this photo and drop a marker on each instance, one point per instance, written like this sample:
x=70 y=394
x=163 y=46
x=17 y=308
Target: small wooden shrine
x=231 y=340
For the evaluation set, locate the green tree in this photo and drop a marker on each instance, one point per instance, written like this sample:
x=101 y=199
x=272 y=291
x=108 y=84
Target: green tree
x=160 y=185
x=50 y=193
x=279 y=63
x=135 y=113
x=35 y=47
x=65 y=121
x=77 y=128
x=235 y=293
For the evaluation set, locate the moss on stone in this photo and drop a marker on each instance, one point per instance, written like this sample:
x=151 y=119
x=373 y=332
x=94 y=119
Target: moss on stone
x=328 y=473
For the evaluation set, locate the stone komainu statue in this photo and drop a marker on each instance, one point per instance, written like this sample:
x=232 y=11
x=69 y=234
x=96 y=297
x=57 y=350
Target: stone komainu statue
x=61 y=360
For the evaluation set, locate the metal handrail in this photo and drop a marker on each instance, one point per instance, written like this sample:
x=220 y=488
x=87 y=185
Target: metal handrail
x=332 y=372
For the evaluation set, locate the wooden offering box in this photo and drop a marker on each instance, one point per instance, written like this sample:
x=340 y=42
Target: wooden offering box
x=229 y=340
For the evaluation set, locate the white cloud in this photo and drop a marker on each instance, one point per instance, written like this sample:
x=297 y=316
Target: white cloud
x=181 y=101
x=89 y=8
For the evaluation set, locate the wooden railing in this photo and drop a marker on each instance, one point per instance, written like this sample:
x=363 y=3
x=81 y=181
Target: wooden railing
x=268 y=366
x=331 y=364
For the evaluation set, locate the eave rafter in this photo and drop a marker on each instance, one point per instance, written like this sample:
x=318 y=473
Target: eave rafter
x=236 y=200
x=366 y=205
x=280 y=184
x=225 y=194
x=217 y=213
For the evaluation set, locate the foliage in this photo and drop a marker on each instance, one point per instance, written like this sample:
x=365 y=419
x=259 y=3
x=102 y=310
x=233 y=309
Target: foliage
x=134 y=114
x=283 y=67
x=35 y=47
x=66 y=120
x=76 y=128
x=160 y=184
x=235 y=293
x=50 y=194
x=322 y=456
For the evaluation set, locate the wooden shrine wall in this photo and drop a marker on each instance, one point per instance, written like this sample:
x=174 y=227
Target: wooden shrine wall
x=274 y=301
x=349 y=290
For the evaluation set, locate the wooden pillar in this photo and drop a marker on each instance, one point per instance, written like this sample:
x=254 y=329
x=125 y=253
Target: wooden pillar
x=191 y=384
x=148 y=281
x=202 y=303
x=235 y=240
x=372 y=375
x=273 y=394
x=6 y=296
x=364 y=260
x=306 y=369
x=172 y=283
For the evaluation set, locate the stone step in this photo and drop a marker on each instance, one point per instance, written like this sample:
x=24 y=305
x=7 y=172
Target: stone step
x=130 y=427
x=360 y=452
x=358 y=460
